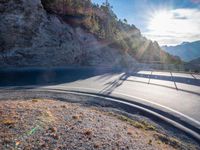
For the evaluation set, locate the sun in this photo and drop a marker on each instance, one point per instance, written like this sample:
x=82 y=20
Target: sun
x=161 y=21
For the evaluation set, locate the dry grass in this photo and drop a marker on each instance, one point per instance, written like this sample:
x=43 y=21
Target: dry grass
x=140 y=125
x=47 y=124
x=8 y=122
x=47 y=117
x=35 y=100
x=168 y=140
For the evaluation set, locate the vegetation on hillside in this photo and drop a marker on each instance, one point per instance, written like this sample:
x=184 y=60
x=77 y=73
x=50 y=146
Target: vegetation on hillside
x=104 y=24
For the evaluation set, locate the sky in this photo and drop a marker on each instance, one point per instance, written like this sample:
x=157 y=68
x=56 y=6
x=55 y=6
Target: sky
x=169 y=22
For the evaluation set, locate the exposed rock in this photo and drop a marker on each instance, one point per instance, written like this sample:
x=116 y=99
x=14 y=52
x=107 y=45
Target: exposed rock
x=29 y=36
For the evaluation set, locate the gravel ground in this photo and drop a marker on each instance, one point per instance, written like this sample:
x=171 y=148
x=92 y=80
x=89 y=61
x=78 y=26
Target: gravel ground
x=51 y=124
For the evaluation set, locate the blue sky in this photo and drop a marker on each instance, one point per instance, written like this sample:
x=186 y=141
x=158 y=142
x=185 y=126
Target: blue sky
x=149 y=16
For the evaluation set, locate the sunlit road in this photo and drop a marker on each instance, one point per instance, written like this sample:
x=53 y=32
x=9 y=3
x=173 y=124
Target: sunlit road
x=178 y=92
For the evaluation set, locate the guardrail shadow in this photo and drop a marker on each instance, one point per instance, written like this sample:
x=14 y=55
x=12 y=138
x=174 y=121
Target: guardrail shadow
x=171 y=78
x=112 y=85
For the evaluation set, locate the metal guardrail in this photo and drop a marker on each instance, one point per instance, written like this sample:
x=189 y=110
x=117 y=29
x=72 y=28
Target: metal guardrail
x=186 y=68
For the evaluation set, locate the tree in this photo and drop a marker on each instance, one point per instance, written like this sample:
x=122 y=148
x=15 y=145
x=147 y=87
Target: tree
x=125 y=21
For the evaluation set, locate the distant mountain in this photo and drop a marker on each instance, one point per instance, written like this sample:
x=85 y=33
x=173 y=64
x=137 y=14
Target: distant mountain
x=195 y=61
x=186 y=51
x=194 y=65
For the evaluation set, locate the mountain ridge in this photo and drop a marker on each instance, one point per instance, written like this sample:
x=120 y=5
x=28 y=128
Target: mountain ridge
x=187 y=51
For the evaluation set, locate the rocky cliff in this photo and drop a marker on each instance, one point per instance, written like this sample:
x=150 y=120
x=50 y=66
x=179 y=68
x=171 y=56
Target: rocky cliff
x=31 y=35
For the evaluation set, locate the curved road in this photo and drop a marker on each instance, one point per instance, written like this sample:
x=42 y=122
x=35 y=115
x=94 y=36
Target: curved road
x=177 y=93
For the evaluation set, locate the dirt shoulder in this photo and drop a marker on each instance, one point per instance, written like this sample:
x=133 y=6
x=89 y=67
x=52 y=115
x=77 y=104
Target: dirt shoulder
x=51 y=124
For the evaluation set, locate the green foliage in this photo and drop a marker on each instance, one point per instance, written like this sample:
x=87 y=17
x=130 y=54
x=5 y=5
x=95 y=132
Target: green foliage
x=125 y=20
x=102 y=22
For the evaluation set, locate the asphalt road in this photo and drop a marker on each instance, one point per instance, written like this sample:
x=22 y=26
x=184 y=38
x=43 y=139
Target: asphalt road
x=169 y=91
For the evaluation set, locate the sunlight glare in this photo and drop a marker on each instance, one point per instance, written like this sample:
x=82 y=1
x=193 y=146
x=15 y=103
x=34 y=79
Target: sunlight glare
x=161 y=21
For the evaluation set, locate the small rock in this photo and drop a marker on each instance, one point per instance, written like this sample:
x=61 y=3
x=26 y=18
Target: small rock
x=150 y=142
x=63 y=106
x=55 y=136
x=53 y=129
x=76 y=117
x=96 y=145
x=88 y=132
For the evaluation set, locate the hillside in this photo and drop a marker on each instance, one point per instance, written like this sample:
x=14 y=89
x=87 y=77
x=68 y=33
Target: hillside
x=195 y=61
x=60 y=33
x=186 y=51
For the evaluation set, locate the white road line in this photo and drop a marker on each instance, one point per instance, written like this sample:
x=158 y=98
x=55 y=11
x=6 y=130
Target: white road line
x=143 y=99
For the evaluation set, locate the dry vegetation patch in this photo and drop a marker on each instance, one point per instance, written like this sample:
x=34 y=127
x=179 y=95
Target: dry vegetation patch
x=49 y=124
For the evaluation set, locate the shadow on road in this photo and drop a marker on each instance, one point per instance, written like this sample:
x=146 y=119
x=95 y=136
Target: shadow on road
x=112 y=85
x=24 y=77
x=42 y=77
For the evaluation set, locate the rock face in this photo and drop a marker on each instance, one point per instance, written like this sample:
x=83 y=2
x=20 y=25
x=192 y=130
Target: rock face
x=29 y=36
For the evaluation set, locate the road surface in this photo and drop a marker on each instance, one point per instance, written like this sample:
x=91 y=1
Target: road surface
x=169 y=91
